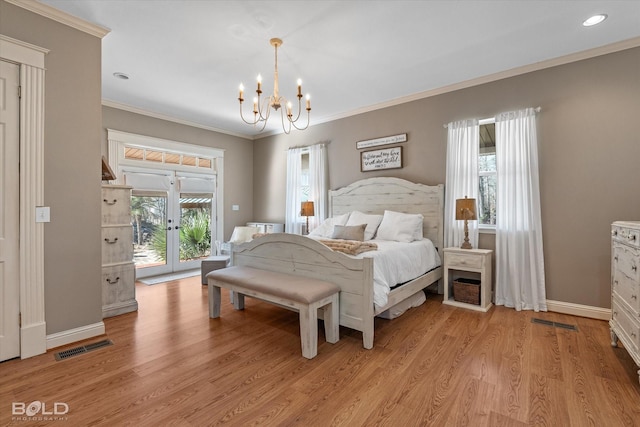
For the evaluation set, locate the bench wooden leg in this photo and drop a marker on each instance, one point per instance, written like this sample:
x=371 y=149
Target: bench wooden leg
x=332 y=320
x=214 y=301
x=238 y=300
x=309 y=331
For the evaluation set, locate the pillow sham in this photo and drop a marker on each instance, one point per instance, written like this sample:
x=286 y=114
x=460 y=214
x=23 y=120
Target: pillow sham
x=372 y=222
x=349 y=232
x=326 y=228
x=400 y=227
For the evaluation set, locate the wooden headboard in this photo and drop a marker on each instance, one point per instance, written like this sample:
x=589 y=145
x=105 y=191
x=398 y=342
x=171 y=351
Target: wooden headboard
x=374 y=195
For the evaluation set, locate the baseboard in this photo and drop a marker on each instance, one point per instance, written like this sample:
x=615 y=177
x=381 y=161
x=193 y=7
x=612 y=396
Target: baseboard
x=73 y=335
x=579 y=310
x=32 y=340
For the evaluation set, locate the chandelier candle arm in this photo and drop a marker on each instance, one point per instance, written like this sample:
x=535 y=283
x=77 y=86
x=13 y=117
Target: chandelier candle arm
x=261 y=110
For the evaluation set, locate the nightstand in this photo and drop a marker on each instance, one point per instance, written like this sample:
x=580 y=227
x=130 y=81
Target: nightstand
x=215 y=262
x=468 y=260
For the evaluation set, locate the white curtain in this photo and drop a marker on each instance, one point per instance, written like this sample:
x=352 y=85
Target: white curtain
x=318 y=187
x=462 y=178
x=293 y=199
x=520 y=281
x=318 y=183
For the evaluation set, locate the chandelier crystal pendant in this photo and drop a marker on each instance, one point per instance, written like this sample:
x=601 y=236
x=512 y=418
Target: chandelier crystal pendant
x=262 y=107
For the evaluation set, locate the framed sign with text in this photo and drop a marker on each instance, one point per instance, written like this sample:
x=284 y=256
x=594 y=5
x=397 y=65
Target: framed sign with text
x=386 y=158
x=394 y=139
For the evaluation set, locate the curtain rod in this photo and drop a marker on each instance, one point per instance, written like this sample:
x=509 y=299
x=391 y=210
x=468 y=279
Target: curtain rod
x=537 y=110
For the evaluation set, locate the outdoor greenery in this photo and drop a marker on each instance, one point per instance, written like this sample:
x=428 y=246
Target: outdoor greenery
x=148 y=215
x=195 y=235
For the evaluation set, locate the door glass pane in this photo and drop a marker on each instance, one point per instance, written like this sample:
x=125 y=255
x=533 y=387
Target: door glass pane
x=195 y=226
x=149 y=219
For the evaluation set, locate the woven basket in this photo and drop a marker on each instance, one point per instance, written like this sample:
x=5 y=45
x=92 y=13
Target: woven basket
x=467 y=291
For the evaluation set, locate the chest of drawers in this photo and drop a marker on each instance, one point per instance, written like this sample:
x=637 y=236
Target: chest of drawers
x=625 y=287
x=118 y=268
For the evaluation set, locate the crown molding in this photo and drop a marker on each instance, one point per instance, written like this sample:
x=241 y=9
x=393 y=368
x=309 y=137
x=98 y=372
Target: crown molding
x=136 y=110
x=62 y=17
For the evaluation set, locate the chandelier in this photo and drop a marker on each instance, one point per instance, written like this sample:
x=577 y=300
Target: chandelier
x=262 y=107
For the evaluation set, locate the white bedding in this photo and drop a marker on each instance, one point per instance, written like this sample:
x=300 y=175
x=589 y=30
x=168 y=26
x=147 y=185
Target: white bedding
x=398 y=262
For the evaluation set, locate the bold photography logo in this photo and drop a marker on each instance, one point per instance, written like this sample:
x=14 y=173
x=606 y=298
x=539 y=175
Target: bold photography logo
x=39 y=409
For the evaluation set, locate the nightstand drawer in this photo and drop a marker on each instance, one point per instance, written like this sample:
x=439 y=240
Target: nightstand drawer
x=117 y=244
x=625 y=260
x=117 y=283
x=628 y=325
x=466 y=261
x=116 y=205
x=627 y=290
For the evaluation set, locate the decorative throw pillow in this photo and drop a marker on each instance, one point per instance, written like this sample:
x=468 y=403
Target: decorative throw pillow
x=326 y=228
x=349 y=232
x=400 y=227
x=372 y=222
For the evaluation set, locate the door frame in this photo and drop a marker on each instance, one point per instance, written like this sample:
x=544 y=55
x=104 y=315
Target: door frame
x=33 y=331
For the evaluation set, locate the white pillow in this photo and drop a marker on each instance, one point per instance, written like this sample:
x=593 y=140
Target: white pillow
x=326 y=228
x=400 y=227
x=372 y=221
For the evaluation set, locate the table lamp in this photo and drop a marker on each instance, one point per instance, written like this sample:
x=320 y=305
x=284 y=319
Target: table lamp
x=306 y=209
x=242 y=234
x=466 y=210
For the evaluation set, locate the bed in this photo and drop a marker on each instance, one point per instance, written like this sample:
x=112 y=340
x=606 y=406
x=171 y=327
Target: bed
x=300 y=255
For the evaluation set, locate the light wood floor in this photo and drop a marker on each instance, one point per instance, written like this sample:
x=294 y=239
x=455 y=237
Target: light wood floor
x=435 y=366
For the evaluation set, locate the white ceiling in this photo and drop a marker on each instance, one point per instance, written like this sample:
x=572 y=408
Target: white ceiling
x=187 y=58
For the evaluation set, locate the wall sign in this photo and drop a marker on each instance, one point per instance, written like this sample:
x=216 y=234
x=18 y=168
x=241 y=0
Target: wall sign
x=386 y=158
x=394 y=139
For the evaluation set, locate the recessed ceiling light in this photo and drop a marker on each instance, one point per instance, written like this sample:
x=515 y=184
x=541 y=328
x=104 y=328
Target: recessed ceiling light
x=121 y=76
x=594 y=20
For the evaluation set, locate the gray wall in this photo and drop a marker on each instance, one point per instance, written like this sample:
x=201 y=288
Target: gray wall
x=238 y=156
x=73 y=295
x=589 y=151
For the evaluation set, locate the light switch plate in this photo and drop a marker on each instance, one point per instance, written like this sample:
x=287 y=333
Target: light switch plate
x=43 y=214
x=235 y=207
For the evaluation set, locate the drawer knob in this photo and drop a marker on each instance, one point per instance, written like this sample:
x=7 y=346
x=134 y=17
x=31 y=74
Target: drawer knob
x=634 y=267
x=615 y=258
x=111 y=242
x=110 y=203
x=112 y=282
x=632 y=237
x=634 y=296
x=614 y=233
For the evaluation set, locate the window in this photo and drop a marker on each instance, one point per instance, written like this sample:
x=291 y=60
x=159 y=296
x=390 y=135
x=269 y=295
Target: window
x=487 y=175
x=304 y=177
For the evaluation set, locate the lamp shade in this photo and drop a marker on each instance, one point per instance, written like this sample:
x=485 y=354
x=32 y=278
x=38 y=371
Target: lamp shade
x=466 y=209
x=242 y=234
x=307 y=209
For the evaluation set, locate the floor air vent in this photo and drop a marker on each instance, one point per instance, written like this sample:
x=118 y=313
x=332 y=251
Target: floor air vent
x=65 y=354
x=555 y=324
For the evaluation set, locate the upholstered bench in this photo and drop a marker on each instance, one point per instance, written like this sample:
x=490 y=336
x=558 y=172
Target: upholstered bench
x=301 y=294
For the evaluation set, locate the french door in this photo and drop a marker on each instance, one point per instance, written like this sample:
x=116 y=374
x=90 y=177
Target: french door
x=173 y=217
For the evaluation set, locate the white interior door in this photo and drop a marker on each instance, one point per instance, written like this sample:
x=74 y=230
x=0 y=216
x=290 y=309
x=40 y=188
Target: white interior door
x=9 y=211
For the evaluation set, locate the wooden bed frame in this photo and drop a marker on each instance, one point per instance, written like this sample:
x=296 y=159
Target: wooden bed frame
x=299 y=255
